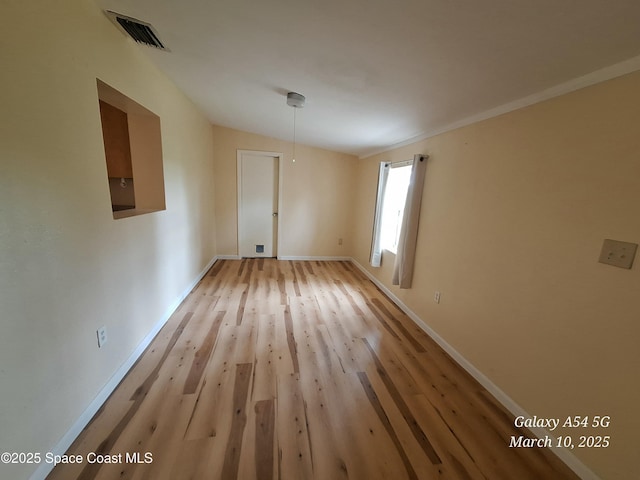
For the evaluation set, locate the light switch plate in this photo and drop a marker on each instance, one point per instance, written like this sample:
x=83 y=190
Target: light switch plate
x=102 y=336
x=618 y=254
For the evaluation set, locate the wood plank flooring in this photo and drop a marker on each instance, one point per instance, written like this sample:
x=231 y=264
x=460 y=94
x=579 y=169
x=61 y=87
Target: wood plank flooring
x=294 y=371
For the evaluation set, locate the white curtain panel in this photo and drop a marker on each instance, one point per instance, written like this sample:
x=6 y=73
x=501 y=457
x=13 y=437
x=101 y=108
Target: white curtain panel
x=376 y=248
x=405 y=256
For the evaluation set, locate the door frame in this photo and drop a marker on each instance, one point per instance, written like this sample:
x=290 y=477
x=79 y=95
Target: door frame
x=280 y=157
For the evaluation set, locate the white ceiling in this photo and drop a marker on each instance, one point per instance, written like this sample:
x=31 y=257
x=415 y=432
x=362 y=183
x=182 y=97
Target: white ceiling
x=377 y=72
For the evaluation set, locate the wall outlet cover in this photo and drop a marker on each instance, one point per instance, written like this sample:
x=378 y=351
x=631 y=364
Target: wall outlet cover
x=618 y=254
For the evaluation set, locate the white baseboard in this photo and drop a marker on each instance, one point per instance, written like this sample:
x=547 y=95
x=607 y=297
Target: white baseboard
x=65 y=442
x=312 y=258
x=291 y=257
x=565 y=455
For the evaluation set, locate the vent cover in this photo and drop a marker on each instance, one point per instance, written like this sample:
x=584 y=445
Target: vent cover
x=141 y=32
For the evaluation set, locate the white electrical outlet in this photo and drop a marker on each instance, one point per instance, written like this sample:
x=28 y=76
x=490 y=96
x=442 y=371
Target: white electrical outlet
x=436 y=297
x=102 y=336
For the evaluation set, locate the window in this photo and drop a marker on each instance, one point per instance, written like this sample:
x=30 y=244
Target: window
x=393 y=184
x=393 y=202
x=133 y=152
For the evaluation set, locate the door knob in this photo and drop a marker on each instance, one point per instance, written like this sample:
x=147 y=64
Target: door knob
x=275 y=214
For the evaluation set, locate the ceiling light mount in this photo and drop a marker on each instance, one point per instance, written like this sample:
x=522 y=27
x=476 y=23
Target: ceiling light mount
x=295 y=100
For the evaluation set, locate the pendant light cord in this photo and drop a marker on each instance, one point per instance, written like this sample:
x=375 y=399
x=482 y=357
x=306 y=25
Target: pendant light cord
x=296 y=101
x=294 y=133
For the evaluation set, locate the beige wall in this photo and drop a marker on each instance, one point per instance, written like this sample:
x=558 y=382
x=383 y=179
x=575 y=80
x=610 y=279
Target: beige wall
x=514 y=213
x=66 y=266
x=317 y=194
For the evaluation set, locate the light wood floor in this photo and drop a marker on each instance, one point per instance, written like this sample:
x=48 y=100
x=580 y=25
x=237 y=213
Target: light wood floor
x=301 y=370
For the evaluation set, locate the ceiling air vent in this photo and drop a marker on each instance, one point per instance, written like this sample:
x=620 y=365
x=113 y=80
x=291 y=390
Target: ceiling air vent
x=141 y=32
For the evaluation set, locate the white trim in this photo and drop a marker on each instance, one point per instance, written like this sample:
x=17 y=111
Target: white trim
x=280 y=202
x=280 y=157
x=602 y=75
x=312 y=258
x=563 y=454
x=69 y=437
x=402 y=163
x=229 y=257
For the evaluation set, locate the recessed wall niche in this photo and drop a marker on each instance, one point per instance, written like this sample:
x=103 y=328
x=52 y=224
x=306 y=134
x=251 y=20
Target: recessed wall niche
x=133 y=154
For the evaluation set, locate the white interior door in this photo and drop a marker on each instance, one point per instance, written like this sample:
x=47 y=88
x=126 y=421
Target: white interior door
x=258 y=204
